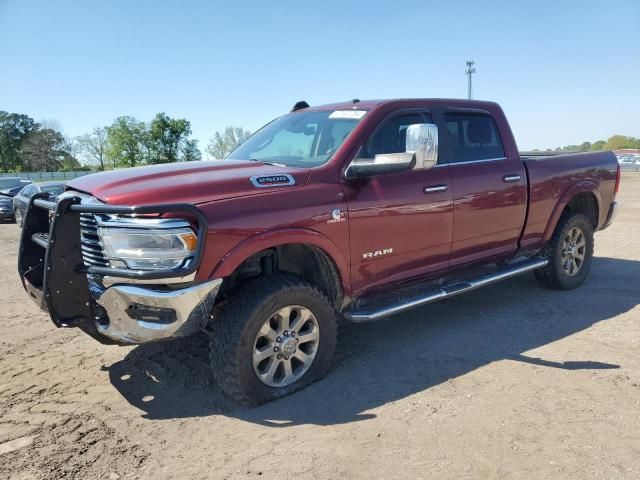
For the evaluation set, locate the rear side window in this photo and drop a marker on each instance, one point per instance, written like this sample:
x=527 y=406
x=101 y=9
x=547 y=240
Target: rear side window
x=473 y=137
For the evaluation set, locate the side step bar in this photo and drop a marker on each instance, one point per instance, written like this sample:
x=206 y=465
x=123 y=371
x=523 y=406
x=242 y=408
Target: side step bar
x=438 y=293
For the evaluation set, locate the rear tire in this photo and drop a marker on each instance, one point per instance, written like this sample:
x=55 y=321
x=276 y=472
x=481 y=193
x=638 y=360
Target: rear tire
x=245 y=328
x=570 y=253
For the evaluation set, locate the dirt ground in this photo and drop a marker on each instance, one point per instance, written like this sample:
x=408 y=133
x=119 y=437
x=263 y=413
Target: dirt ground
x=512 y=381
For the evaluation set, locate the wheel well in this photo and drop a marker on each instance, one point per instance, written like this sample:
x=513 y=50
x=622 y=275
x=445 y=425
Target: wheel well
x=307 y=261
x=585 y=203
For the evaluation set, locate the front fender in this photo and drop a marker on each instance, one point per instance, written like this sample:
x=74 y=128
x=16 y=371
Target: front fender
x=565 y=198
x=257 y=243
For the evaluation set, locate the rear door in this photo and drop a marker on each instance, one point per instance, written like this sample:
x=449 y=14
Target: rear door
x=489 y=189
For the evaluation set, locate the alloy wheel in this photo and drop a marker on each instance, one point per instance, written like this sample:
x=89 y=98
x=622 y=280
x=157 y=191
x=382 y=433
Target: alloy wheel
x=573 y=251
x=286 y=346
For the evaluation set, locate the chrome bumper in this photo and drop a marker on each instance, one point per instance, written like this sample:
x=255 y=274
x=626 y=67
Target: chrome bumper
x=613 y=211
x=145 y=313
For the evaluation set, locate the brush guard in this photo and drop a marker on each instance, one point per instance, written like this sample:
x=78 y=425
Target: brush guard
x=51 y=264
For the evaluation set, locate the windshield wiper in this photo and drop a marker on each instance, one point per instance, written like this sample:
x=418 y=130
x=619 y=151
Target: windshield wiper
x=267 y=162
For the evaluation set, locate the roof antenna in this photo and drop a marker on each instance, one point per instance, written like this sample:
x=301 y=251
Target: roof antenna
x=299 y=106
x=355 y=100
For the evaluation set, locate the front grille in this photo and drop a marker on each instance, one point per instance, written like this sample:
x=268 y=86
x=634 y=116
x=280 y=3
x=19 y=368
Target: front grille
x=92 y=252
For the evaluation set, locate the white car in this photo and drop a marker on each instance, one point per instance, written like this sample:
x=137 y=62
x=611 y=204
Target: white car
x=629 y=163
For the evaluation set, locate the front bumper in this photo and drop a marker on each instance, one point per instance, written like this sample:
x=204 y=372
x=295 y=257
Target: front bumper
x=115 y=306
x=148 y=313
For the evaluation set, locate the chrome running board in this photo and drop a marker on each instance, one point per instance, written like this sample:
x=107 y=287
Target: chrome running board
x=370 y=313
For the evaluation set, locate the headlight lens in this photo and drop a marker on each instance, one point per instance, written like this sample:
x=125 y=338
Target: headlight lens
x=148 y=248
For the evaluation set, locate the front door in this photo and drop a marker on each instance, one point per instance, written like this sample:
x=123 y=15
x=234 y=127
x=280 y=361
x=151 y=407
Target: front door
x=489 y=190
x=400 y=224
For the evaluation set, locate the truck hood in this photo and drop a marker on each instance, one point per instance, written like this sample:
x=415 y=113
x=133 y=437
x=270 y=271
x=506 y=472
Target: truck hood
x=189 y=182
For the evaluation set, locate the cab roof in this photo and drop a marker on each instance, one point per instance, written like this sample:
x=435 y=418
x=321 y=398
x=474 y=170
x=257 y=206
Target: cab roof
x=369 y=104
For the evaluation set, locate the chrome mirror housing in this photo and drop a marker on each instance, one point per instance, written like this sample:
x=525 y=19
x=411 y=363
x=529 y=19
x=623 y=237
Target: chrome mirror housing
x=422 y=140
x=381 y=163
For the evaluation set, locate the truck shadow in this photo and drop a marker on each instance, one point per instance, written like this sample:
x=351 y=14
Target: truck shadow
x=388 y=360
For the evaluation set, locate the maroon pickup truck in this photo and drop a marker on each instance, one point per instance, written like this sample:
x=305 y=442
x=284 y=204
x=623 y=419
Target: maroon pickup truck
x=359 y=210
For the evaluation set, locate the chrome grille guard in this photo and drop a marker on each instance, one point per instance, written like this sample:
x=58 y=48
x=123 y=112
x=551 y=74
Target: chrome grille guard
x=52 y=266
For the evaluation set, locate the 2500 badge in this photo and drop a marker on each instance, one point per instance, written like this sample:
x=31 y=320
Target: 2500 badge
x=279 y=180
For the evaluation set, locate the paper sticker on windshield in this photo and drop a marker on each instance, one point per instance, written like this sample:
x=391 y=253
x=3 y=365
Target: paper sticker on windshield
x=350 y=114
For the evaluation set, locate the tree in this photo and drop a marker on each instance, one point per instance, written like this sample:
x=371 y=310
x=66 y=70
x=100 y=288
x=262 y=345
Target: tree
x=617 y=142
x=43 y=150
x=94 y=145
x=14 y=129
x=126 y=140
x=191 y=152
x=599 y=145
x=222 y=145
x=167 y=138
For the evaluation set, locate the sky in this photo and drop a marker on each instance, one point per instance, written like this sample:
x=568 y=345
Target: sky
x=564 y=71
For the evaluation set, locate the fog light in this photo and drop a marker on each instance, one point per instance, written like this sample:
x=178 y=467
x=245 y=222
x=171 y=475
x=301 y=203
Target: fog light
x=147 y=313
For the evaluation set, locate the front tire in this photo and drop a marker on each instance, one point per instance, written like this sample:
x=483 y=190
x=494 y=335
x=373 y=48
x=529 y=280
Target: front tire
x=570 y=253
x=274 y=336
x=17 y=215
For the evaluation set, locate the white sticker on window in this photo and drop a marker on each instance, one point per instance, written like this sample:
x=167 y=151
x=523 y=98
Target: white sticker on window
x=351 y=114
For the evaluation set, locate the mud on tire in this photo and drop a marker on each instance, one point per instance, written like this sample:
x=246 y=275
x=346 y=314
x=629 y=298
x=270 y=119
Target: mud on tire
x=235 y=325
x=557 y=274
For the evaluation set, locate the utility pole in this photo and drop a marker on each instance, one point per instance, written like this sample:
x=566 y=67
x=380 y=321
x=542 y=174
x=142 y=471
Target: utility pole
x=470 y=71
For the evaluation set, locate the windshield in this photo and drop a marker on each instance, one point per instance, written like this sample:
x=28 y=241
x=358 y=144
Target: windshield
x=7 y=183
x=302 y=139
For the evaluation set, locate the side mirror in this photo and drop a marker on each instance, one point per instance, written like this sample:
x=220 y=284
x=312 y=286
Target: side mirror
x=422 y=140
x=381 y=163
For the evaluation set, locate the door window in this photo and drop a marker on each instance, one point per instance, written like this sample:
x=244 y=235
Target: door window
x=391 y=137
x=29 y=191
x=473 y=137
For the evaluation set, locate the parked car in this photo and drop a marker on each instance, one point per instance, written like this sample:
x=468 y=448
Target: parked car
x=21 y=200
x=9 y=187
x=358 y=209
x=629 y=163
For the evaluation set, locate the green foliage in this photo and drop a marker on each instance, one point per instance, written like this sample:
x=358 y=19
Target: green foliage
x=223 y=144
x=28 y=146
x=191 y=152
x=615 y=142
x=69 y=164
x=44 y=150
x=164 y=140
x=167 y=139
x=126 y=142
x=14 y=128
x=620 y=141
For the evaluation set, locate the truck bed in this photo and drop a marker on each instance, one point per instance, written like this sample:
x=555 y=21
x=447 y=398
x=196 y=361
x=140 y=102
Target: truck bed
x=555 y=178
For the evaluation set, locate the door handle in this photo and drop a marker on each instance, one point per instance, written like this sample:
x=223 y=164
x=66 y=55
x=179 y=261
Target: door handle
x=511 y=178
x=436 y=188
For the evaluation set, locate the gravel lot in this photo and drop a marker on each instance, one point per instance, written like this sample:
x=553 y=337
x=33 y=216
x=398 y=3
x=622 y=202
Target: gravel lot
x=513 y=381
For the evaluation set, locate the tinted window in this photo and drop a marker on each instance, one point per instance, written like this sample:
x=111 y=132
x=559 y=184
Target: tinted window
x=391 y=137
x=29 y=191
x=53 y=189
x=473 y=137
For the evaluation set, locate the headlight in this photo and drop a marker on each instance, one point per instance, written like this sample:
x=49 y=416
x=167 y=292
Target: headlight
x=147 y=244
